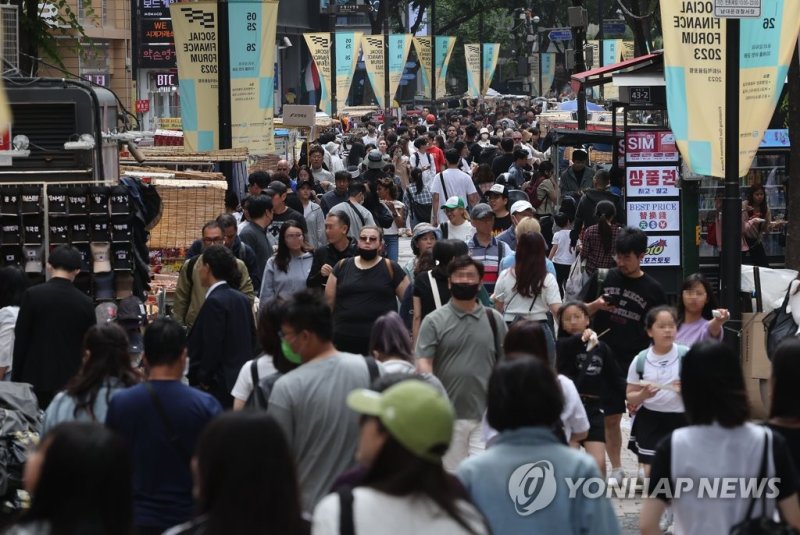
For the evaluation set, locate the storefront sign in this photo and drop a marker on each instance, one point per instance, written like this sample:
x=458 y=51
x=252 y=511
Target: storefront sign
x=658 y=181
x=655 y=216
x=737 y=8
x=650 y=147
x=641 y=96
x=157 y=31
x=299 y=115
x=775 y=139
x=142 y=106
x=157 y=56
x=165 y=79
x=663 y=251
x=694 y=68
x=171 y=123
x=156 y=9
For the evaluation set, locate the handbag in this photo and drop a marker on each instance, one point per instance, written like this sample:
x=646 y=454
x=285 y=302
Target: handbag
x=779 y=325
x=575 y=280
x=764 y=524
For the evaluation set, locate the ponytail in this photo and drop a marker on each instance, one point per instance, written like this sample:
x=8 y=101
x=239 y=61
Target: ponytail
x=606 y=235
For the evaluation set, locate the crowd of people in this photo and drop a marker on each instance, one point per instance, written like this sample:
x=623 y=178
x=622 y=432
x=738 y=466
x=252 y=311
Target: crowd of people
x=306 y=382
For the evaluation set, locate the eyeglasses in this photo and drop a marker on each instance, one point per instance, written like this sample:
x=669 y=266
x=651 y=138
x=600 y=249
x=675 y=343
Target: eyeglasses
x=369 y=239
x=213 y=240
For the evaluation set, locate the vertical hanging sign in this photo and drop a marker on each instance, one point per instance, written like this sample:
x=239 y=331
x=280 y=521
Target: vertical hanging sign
x=548 y=65
x=424 y=53
x=347 y=49
x=375 y=64
x=491 y=53
x=195 y=29
x=399 y=46
x=444 y=49
x=319 y=46
x=472 y=56
x=252 y=55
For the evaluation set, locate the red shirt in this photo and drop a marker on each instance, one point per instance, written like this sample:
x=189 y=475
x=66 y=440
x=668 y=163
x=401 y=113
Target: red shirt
x=438 y=157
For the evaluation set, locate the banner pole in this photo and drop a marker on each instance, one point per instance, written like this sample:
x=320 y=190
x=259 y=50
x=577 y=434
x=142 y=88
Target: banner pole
x=732 y=207
x=433 y=56
x=224 y=86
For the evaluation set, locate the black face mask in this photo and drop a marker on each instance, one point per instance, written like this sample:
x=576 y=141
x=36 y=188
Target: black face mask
x=367 y=254
x=463 y=291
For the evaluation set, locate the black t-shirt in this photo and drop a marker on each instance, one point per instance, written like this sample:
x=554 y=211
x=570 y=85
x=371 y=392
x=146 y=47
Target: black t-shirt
x=792 y=437
x=363 y=295
x=423 y=290
x=501 y=223
x=661 y=469
x=636 y=297
x=602 y=375
x=274 y=228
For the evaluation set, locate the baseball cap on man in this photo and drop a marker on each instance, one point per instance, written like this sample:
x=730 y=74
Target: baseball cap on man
x=499 y=189
x=481 y=210
x=413 y=412
x=521 y=206
x=277 y=187
x=454 y=202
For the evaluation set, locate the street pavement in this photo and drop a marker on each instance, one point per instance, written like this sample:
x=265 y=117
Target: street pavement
x=627 y=509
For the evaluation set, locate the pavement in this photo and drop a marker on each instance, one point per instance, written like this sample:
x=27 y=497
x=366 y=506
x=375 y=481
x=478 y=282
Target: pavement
x=627 y=508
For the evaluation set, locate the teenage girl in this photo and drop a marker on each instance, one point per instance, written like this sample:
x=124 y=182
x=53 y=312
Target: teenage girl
x=592 y=367
x=654 y=385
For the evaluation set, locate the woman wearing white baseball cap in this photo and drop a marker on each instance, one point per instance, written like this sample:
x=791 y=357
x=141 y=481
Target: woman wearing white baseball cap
x=405 y=431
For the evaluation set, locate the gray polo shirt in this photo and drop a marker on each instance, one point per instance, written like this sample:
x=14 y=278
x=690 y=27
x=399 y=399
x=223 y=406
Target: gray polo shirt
x=463 y=350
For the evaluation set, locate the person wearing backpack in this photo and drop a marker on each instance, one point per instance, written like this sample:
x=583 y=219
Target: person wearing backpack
x=585 y=213
x=544 y=190
x=451 y=182
x=654 y=385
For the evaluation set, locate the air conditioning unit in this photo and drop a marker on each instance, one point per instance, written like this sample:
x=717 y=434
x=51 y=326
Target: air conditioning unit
x=9 y=19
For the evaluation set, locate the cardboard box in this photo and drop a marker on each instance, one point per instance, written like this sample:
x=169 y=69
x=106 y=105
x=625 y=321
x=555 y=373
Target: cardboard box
x=756 y=367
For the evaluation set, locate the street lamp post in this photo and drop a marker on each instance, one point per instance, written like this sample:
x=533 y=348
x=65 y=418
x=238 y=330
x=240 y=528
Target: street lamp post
x=538 y=42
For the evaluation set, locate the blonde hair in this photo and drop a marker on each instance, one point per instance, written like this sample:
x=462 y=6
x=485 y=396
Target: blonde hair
x=527 y=224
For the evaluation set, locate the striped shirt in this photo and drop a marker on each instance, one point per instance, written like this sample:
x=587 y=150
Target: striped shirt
x=490 y=256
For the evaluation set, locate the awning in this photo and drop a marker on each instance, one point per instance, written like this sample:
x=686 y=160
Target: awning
x=602 y=75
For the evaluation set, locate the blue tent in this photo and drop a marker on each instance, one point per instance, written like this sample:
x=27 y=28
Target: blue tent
x=572 y=105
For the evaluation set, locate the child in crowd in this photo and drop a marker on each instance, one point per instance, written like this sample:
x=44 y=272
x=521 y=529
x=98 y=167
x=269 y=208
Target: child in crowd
x=592 y=367
x=698 y=317
x=654 y=385
x=562 y=255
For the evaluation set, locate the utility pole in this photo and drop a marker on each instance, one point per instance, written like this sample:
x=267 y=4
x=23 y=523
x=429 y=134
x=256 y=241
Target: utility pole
x=387 y=96
x=224 y=87
x=732 y=204
x=332 y=30
x=578 y=18
x=433 y=56
x=601 y=9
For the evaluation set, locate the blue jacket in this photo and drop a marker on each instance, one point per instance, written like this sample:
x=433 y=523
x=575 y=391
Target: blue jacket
x=519 y=486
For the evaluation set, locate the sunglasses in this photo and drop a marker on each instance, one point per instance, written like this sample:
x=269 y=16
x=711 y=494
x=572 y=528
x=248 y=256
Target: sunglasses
x=369 y=239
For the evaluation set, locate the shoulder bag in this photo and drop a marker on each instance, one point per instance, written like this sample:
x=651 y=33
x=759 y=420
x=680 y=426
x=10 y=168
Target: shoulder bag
x=779 y=325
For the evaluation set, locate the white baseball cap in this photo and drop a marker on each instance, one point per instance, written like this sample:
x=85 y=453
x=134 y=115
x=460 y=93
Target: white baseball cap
x=521 y=206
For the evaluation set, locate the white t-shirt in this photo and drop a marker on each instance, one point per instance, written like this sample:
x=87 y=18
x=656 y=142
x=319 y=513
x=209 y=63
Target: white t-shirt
x=517 y=305
x=465 y=231
x=423 y=159
x=8 y=322
x=244 y=383
x=456 y=183
x=377 y=512
x=661 y=369
x=573 y=416
x=563 y=255
x=393 y=230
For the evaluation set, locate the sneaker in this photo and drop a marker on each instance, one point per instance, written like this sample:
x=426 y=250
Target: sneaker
x=666 y=520
x=616 y=477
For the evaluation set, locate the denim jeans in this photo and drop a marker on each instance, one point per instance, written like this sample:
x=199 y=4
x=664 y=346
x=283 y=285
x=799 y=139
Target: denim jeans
x=392 y=245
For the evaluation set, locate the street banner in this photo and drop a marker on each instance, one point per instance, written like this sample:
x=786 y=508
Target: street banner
x=444 y=49
x=319 y=46
x=694 y=68
x=424 y=53
x=491 y=53
x=252 y=27
x=548 y=66
x=612 y=53
x=348 y=45
x=375 y=64
x=472 y=57
x=536 y=73
x=195 y=28
x=399 y=47
x=628 y=50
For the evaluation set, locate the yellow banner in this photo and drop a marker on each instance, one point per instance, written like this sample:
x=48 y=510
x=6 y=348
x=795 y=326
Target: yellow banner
x=628 y=50
x=195 y=29
x=252 y=27
x=375 y=64
x=425 y=55
x=319 y=46
x=472 y=56
x=694 y=68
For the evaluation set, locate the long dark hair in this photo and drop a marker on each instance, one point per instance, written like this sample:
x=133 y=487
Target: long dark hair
x=356 y=154
x=283 y=256
x=246 y=476
x=85 y=482
x=444 y=251
x=390 y=337
x=526 y=337
x=785 y=375
x=416 y=179
x=398 y=472
x=605 y=212
x=763 y=207
x=712 y=386
x=12 y=286
x=108 y=358
x=530 y=267
x=711 y=301
x=269 y=324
